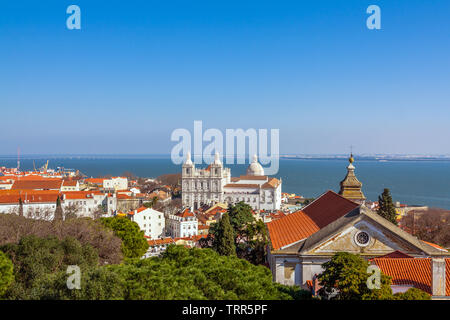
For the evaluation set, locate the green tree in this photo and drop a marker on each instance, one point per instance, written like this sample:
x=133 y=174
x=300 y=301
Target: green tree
x=35 y=259
x=224 y=238
x=345 y=278
x=241 y=215
x=58 y=211
x=6 y=273
x=412 y=294
x=386 y=207
x=134 y=244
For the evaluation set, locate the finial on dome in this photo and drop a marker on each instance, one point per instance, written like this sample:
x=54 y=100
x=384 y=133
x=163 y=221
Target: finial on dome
x=255 y=158
x=217 y=158
x=351 y=159
x=188 y=158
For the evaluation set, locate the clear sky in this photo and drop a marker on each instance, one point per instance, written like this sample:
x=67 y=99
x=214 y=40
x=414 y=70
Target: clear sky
x=137 y=70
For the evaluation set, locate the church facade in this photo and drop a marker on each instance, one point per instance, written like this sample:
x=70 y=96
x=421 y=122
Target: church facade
x=215 y=185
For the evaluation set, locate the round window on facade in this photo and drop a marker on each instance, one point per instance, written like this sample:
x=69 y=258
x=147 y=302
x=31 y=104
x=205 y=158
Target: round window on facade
x=362 y=238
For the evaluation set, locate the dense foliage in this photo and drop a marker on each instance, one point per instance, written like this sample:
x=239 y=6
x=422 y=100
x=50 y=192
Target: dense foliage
x=179 y=274
x=412 y=294
x=345 y=278
x=36 y=259
x=134 y=244
x=85 y=230
x=223 y=241
x=386 y=207
x=6 y=273
x=250 y=235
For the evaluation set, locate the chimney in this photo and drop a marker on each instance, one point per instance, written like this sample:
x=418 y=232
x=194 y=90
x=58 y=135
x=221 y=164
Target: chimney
x=438 y=277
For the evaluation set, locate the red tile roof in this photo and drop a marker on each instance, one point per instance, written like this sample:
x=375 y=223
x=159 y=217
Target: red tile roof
x=415 y=272
x=301 y=224
x=396 y=254
x=47 y=184
x=28 y=196
x=292 y=228
x=185 y=213
x=329 y=207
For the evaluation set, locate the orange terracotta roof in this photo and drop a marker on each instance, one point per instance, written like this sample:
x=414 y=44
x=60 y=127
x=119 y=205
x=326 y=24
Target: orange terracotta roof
x=271 y=184
x=301 y=224
x=292 y=228
x=70 y=183
x=158 y=242
x=328 y=207
x=47 y=184
x=28 y=196
x=185 y=213
x=395 y=254
x=405 y=271
x=94 y=180
x=416 y=272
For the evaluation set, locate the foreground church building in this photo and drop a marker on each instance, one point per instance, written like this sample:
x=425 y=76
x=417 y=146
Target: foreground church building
x=302 y=241
x=215 y=184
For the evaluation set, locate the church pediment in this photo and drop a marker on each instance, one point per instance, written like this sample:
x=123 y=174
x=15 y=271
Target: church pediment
x=364 y=233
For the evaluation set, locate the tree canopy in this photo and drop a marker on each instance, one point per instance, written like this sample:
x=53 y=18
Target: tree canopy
x=250 y=235
x=386 y=207
x=345 y=278
x=6 y=273
x=223 y=241
x=179 y=274
x=35 y=259
x=134 y=244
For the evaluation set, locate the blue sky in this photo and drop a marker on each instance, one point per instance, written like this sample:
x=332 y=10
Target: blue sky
x=137 y=70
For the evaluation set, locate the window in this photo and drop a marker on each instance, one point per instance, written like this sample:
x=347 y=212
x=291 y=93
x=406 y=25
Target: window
x=362 y=238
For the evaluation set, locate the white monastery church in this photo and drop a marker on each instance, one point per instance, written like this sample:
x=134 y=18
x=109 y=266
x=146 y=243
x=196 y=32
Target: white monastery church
x=215 y=184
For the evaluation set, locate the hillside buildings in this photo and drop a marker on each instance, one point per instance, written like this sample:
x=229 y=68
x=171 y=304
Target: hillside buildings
x=215 y=185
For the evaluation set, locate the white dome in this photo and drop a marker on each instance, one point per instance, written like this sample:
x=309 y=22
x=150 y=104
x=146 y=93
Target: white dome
x=255 y=169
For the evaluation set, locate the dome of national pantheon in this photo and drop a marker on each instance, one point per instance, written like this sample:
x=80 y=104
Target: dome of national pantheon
x=255 y=169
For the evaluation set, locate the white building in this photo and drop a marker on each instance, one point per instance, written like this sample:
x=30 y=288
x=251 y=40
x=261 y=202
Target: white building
x=150 y=221
x=115 y=183
x=183 y=224
x=215 y=184
x=70 y=185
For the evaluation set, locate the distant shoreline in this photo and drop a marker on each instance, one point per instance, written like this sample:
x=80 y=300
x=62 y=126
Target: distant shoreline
x=381 y=158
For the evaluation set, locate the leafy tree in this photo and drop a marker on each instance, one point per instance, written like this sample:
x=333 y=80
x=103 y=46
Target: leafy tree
x=6 y=273
x=250 y=235
x=58 y=211
x=35 y=259
x=386 y=207
x=345 y=276
x=224 y=238
x=134 y=244
x=240 y=216
x=412 y=294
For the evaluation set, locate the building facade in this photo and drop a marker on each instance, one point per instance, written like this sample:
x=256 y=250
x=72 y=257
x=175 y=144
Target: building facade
x=215 y=185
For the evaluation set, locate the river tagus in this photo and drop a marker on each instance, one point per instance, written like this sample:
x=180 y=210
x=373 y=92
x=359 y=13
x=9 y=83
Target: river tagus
x=411 y=182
